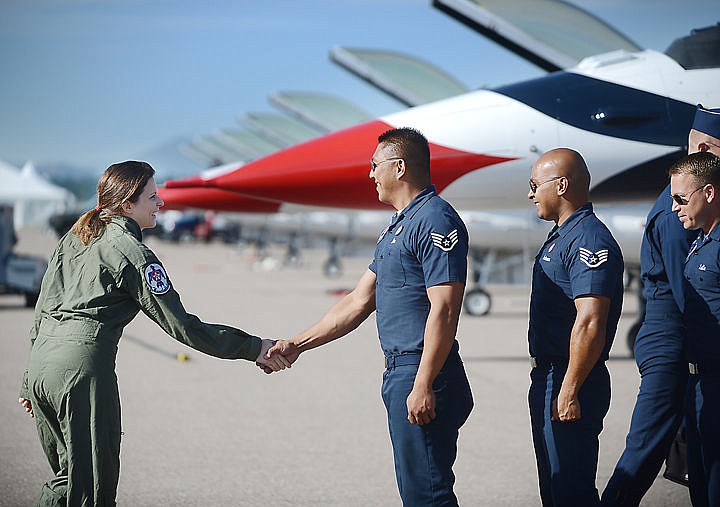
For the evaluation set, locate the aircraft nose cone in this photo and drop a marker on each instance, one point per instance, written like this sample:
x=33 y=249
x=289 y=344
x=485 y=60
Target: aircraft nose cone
x=333 y=170
x=213 y=199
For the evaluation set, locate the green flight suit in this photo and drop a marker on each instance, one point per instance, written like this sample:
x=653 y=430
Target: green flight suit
x=88 y=295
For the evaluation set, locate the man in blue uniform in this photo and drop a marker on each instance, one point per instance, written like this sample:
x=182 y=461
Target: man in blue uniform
x=659 y=345
x=695 y=186
x=575 y=305
x=415 y=283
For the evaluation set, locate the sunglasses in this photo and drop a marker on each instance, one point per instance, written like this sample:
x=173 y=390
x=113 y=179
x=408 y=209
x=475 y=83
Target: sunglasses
x=374 y=165
x=683 y=201
x=534 y=186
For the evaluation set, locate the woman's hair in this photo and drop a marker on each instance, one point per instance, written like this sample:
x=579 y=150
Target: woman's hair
x=119 y=183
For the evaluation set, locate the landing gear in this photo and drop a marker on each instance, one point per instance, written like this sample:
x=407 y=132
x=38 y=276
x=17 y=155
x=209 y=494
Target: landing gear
x=292 y=256
x=332 y=267
x=477 y=302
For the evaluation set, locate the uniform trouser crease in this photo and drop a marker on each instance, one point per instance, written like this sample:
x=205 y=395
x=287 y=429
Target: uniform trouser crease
x=567 y=452
x=424 y=455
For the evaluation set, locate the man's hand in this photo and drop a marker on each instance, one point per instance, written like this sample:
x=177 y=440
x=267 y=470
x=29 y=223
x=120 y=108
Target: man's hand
x=27 y=405
x=421 y=405
x=270 y=364
x=286 y=349
x=282 y=351
x=566 y=407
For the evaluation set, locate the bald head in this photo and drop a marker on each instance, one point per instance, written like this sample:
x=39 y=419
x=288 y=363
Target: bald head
x=559 y=184
x=569 y=164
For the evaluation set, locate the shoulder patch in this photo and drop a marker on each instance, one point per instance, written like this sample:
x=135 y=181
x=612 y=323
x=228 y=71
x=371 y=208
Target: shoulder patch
x=593 y=259
x=156 y=278
x=445 y=243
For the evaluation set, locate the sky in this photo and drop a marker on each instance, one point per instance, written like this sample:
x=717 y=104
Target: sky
x=87 y=83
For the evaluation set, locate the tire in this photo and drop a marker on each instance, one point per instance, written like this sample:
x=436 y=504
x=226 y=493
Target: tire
x=477 y=302
x=332 y=268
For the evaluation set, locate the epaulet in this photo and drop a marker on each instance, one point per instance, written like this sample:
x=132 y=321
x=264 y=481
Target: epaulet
x=135 y=251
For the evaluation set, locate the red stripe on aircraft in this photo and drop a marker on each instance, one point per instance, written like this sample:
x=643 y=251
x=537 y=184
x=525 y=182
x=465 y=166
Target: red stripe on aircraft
x=213 y=199
x=333 y=170
x=190 y=182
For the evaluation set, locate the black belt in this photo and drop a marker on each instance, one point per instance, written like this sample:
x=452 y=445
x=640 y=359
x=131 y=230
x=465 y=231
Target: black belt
x=410 y=358
x=706 y=369
x=540 y=362
x=413 y=358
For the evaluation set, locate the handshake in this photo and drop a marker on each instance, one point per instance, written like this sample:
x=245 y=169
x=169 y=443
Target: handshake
x=276 y=355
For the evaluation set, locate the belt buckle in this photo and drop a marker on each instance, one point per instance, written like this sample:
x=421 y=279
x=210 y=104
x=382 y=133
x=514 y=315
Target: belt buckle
x=387 y=364
x=533 y=362
x=693 y=369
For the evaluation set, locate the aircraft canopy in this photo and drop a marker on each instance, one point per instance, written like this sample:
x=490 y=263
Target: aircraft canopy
x=325 y=111
x=552 y=34
x=280 y=129
x=410 y=80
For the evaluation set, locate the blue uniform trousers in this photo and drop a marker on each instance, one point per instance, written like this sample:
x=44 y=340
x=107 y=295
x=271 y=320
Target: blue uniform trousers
x=424 y=455
x=702 y=416
x=658 y=410
x=567 y=452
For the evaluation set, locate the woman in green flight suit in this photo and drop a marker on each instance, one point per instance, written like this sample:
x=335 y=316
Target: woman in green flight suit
x=98 y=279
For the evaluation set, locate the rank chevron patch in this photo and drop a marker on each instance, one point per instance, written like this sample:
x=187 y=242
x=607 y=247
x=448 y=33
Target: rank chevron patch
x=445 y=243
x=593 y=259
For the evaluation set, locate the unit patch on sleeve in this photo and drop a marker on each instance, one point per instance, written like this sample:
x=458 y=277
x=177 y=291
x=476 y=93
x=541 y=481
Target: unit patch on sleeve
x=593 y=259
x=445 y=243
x=156 y=278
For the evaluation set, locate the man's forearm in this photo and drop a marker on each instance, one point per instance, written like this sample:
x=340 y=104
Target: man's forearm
x=342 y=318
x=440 y=331
x=586 y=345
x=439 y=338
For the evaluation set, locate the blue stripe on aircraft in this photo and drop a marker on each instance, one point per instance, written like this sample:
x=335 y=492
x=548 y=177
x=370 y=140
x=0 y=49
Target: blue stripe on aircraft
x=606 y=108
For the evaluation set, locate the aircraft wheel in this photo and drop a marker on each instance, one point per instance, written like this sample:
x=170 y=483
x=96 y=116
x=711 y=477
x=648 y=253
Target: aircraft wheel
x=332 y=268
x=477 y=302
x=632 y=334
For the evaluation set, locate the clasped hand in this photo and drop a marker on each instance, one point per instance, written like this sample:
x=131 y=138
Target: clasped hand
x=276 y=355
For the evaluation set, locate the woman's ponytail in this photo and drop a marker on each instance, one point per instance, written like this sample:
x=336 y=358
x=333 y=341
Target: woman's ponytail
x=119 y=183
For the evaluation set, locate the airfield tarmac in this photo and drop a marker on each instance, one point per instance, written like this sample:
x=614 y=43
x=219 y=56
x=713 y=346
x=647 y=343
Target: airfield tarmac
x=211 y=432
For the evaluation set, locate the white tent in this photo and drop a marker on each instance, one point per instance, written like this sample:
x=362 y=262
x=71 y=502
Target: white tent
x=34 y=198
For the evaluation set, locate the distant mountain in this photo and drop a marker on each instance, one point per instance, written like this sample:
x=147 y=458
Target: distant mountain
x=80 y=180
x=166 y=158
x=169 y=162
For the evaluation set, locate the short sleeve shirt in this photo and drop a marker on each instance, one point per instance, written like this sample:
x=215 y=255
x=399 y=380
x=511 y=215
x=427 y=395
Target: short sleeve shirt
x=664 y=248
x=426 y=244
x=579 y=258
x=702 y=305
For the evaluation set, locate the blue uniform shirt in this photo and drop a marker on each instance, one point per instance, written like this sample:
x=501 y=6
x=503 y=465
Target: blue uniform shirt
x=664 y=248
x=579 y=258
x=702 y=298
x=426 y=244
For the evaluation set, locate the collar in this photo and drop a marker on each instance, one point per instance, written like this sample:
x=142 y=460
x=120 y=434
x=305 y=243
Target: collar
x=417 y=203
x=714 y=232
x=128 y=224
x=574 y=219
